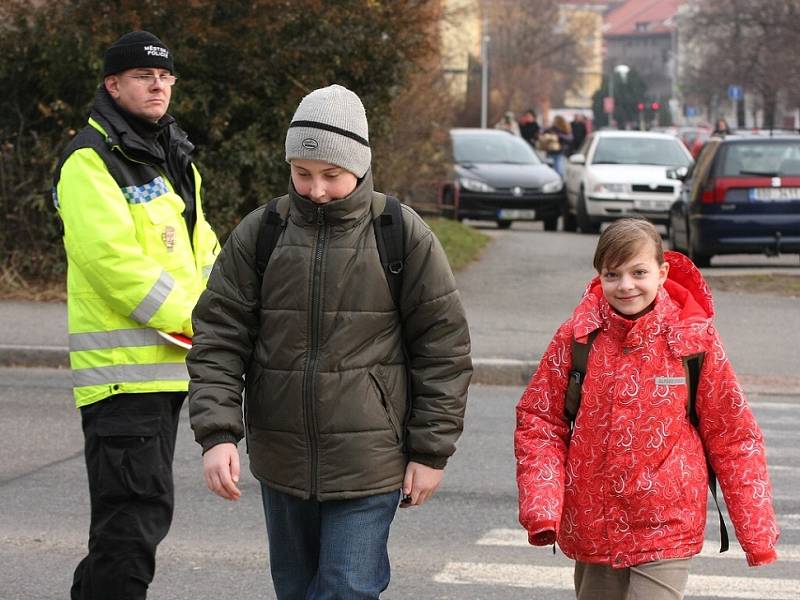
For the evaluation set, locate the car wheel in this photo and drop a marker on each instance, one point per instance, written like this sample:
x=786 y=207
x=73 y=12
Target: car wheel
x=584 y=222
x=551 y=224
x=449 y=205
x=568 y=221
x=673 y=242
x=503 y=224
x=698 y=258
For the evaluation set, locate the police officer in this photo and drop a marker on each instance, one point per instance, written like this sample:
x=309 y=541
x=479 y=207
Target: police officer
x=139 y=251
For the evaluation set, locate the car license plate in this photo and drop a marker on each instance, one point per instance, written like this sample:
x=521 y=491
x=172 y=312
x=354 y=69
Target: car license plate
x=516 y=214
x=651 y=205
x=776 y=193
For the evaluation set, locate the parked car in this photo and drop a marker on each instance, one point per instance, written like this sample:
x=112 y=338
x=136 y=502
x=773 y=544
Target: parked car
x=742 y=196
x=622 y=173
x=693 y=137
x=496 y=176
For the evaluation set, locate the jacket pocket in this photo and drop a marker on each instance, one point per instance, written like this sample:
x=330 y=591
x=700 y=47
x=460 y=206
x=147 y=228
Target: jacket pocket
x=162 y=230
x=380 y=388
x=132 y=462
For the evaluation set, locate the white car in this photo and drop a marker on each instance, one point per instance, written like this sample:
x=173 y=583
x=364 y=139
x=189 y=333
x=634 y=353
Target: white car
x=623 y=173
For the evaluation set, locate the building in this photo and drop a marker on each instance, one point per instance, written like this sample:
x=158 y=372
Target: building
x=587 y=20
x=642 y=34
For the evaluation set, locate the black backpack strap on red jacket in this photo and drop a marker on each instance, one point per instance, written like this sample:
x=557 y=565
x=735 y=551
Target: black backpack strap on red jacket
x=580 y=358
x=273 y=220
x=390 y=238
x=693 y=366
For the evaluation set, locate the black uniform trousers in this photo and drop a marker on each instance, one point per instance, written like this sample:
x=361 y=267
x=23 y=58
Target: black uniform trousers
x=129 y=446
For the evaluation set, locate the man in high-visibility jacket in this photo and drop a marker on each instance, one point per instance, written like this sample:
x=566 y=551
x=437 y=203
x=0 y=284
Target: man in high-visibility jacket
x=139 y=252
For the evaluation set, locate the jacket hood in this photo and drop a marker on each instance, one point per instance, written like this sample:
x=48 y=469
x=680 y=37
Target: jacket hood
x=684 y=306
x=345 y=212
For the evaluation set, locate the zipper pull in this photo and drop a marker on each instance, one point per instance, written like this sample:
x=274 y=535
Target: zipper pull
x=320 y=216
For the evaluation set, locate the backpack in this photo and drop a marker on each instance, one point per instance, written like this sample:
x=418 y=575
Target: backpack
x=389 y=237
x=693 y=364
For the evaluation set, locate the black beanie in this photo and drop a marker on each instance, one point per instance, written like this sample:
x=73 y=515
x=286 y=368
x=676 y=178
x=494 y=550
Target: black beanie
x=137 y=49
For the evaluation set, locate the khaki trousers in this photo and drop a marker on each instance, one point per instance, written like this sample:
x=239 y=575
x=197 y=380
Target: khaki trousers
x=659 y=580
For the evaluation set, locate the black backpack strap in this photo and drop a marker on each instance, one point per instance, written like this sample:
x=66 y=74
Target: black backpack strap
x=694 y=364
x=273 y=220
x=390 y=238
x=577 y=373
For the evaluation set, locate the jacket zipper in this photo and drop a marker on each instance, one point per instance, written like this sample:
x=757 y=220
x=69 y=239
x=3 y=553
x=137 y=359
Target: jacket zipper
x=309 y=398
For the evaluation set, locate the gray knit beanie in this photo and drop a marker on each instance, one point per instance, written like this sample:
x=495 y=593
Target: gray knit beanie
x=330 y=124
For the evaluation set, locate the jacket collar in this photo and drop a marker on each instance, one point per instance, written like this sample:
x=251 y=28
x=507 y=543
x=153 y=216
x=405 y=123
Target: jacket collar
x=133 y=135
x=344 y=213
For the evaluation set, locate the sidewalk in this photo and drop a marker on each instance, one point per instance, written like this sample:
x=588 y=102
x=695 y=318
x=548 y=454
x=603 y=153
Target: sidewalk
x=34 y=334
x=511 y=318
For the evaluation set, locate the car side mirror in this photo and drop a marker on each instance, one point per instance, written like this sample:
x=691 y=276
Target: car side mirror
x=577 y=159
x=678 y=173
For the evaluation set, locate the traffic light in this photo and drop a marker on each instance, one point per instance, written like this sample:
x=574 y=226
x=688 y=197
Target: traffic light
x=655 y=106
x=640 y=106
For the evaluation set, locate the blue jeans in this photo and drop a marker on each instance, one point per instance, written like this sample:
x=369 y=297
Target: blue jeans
x=326 y=550
x=559 y=164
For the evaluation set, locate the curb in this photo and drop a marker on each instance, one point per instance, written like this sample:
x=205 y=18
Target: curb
x=486 y=371
x=47 y=357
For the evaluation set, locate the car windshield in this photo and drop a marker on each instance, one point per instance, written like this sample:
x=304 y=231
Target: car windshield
x=482 y=148
x=640 y=151
x=767 y=159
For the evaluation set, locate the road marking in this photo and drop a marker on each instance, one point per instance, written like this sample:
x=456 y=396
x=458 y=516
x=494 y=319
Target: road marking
x=561 y=578
x=519 y=538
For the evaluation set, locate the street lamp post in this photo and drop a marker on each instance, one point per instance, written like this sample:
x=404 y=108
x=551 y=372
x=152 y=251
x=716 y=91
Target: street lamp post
x=485 y=71
x=622 y=70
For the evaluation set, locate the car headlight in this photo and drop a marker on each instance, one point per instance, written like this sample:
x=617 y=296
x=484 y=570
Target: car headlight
x=612 y=188
x=475 y=185
x=553 y=187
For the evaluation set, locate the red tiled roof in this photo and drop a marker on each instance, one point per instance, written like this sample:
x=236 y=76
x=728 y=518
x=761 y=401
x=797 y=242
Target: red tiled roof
x=625 y=18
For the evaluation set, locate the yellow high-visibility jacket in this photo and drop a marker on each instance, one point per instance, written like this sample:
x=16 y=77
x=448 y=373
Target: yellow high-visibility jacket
x=133 y=267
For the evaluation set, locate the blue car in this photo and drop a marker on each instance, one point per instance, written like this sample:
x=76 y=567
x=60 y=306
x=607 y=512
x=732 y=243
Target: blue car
x=742 y=196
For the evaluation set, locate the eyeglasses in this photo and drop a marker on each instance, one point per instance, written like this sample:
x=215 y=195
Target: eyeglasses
x=148 y=80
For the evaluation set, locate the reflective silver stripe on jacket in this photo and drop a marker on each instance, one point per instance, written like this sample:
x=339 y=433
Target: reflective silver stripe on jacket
x=129 y=374
x=118 y=338
x=154 y=299
x=207 y=270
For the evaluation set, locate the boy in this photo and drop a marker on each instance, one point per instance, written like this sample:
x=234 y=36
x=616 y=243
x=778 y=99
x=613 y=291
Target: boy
x=332 y=430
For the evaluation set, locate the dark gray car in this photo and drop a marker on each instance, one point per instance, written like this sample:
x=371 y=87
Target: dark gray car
x=496 y=176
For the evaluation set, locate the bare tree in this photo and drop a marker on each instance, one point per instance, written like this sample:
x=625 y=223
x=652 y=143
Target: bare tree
x=535 y=54
x=748 y=43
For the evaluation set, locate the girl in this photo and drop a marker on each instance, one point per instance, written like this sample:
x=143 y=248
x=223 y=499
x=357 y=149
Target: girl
x=624 y=493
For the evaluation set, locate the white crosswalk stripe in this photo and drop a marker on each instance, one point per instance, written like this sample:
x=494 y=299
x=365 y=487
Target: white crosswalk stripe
x=519 y=538
x=560 y=578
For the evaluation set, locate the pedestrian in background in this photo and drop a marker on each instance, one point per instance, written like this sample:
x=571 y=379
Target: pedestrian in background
x=624 y=493
x=138 y=253
x=721 y=128
x=529 y=127
x=508 y=123
x=556 y=142
x=325 y=358
x=578 y=127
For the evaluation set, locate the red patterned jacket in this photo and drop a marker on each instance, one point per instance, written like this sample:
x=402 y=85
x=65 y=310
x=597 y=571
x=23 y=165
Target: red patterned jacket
x=630 y=486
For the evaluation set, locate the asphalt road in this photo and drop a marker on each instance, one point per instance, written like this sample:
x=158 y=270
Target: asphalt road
x=465 y=543
x=530 y=280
